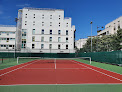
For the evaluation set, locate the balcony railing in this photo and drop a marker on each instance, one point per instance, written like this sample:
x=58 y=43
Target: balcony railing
x=7 y=25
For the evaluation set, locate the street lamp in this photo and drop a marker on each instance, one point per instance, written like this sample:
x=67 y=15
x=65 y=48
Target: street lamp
x=16 y=19
x=91 y=35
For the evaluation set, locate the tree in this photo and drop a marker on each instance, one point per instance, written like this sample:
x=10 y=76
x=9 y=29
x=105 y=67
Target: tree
x=104 y=43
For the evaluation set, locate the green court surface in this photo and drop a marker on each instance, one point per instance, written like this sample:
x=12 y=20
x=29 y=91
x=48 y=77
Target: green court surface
x=63 y=88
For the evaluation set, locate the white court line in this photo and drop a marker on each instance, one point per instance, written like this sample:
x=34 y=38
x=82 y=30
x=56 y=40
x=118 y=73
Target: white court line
x=98 y=71
x=17 y=68
x=56 y=68
x=65 y=84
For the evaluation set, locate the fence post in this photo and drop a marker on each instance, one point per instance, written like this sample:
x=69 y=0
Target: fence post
x=2 y=59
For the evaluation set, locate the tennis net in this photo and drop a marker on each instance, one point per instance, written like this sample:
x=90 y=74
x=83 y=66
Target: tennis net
x=42 y=60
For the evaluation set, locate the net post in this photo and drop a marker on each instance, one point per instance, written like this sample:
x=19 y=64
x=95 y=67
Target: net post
x=17 y=60
x=90 y=60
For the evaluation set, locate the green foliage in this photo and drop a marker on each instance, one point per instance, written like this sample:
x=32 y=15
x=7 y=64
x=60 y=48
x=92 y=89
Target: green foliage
x=104 y=43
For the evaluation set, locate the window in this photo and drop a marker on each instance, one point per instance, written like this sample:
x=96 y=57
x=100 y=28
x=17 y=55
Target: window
x=25 y=22
x=33 y=22
x=50 y=39
x=42 y=16
x=33 y=31
x=34 y=15
x=119 y=26
x=42 y=39
x=23 y=43
x=59 y=46
x=33 y=38
x=50 y=16
x=50 y=46
x=59 y=39
x=107 y=32
x=67 y=39
x=42 y=31
x=7 y=33
x=10 y=45
x=59 y=25
x=11 y=38
x=59 y=32
x=12 y=32
x=50 y=31
x=33 y=46
x=66 y=24
x=66 y=46
x=6 y=46
x=13 y=46
x=59 y=16
x=66 y=32
x=50 y=23
x=7 y=40
x=42 y=23
x=114 y=28
x=42 y=46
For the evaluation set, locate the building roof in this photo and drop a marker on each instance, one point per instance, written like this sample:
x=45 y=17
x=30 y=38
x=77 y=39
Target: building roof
x=42 y=8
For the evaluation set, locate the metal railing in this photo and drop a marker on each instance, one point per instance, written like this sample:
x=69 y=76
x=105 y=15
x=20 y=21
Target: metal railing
x=7 y=25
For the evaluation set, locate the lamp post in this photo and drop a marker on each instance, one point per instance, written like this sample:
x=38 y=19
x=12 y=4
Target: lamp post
x=16 y=19
x=91 y=35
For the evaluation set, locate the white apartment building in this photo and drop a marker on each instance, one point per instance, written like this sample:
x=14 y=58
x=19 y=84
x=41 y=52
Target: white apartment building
x=79 y=43
x=7 y=37
x=111 y=27
x=44 y=31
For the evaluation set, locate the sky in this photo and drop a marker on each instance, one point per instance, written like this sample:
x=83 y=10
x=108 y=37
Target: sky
x=82 y=12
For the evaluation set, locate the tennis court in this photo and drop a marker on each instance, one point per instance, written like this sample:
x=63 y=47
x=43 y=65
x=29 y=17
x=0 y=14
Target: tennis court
x=57 y=72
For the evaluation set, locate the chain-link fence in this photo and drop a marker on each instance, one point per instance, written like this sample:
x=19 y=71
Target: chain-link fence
x=114 y=57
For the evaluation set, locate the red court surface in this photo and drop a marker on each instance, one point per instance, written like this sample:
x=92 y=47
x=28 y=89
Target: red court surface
x=57 y=72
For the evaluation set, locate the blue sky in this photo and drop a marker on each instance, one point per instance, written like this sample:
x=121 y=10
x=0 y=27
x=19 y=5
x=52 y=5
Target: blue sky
x=82 y=12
